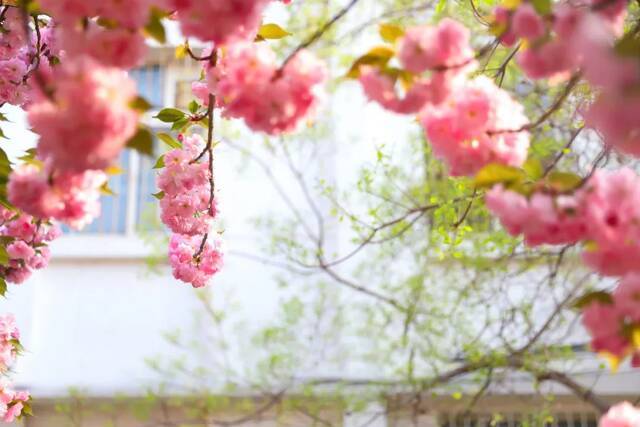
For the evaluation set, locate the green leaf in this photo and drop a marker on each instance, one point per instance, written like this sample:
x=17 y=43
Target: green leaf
x=180 y=125
x=106 y=190
x=142 y=142
x=440 y=6
x=629 y=45
x=3 y=287
x=592 y=297
x=533 y=168
x=2 y=135
x=140 y=104
x=193 y=106
x=390 y=33
x=543 y=7
x=272 y=31
x=159 y=163
x=169 y=140
x=379 y=57
x=159 y=195
x=169 y=115
x=564 y=181
x=154 y=27
x=4 y=256
x=3 y=118
x=497 y=173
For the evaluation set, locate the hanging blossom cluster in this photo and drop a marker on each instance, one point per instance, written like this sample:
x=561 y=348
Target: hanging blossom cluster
x=27 y=248
x=188 y=208
x=464 y=118
x=12 y=403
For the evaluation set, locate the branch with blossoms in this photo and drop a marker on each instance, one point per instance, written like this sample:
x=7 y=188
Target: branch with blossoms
x=65 y=62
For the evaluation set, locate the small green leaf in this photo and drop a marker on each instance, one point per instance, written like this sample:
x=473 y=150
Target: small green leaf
x=193 y=106
x=564 y=181
x=180 y=125
x=497 y=173
x=169 y=115
x=159 y=163
x=533 y=168
x=390 y=33
x=142 y=142
x=592 y=297
x=272 y=31
x=154 y=27
x=169 y=140
x=3 y=118
x=4 y=256
x=106 y=190
x=379 y=57
x=2 y=135
x=140 y=104
x=543 y=7
x=3 y=287
x=159 y=195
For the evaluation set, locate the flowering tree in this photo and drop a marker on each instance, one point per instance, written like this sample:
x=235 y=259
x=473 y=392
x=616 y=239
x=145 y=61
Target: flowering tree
x=502 y=107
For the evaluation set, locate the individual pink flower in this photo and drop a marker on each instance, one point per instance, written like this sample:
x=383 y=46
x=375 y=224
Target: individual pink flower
x=87 y=120
x=20 y=250
x=612 y=213
x=70 y=197
x=70 y=12
x=250 y=86
x=192 y=265
x=219 y=21
x=431 y=48
x=621 y=415
x=626 y=298
x=541 y=219
x=479 y=124
x=526 y=22
x=12 y=37
x=117 y=47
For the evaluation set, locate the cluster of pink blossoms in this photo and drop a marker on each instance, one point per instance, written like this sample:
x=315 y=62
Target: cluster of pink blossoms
x=11 y=402
x=188 y=208
x=250 y=85
x=573 y=38
x=83 y=124
x=9 y=341
x=69 y=197
x=16 y=59
x=621 y=415
x=469 y=123
x=219 y=21
x=27 y=248
x=604 y=213
x=611 y=325
x=193 y=261
x=185 y=183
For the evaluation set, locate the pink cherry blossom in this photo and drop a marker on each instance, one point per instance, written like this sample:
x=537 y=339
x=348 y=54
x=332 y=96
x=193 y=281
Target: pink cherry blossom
x=621 y=415
x=527 y=23
x=627 y=297
x=219 y=21
x=250 y=86
x=542 y=219
x=479 y=124
x=192 y=265
x=430 y=48
x=118 y=47
x=612 y=213
x=70 y=197
x=88 y=119
x=12 y=38
x=11 y=402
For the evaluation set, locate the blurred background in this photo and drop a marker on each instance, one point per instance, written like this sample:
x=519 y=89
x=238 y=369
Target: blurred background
x=284 y=335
